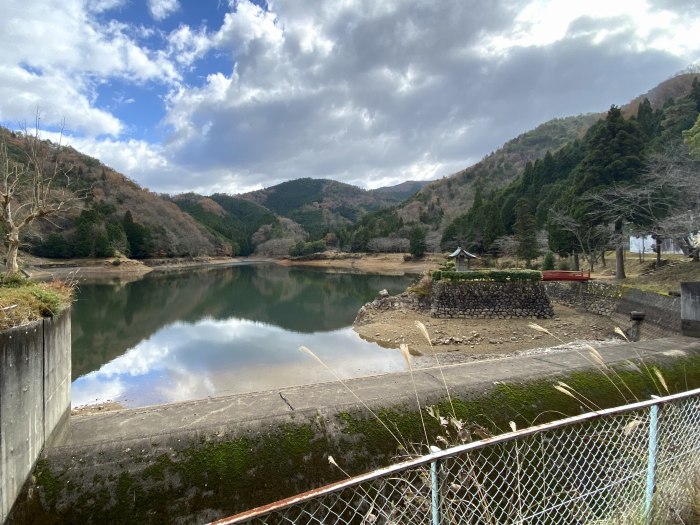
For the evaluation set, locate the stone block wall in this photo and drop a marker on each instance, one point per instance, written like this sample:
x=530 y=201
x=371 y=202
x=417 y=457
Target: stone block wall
x=662 y=313
x=592 y=296
x=490 y=300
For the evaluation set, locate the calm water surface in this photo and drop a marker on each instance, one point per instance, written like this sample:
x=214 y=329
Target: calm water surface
x=173 y=337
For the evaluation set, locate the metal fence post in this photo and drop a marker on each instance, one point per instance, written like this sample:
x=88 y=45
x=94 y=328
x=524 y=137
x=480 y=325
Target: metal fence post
x=651 y=464
x=435 y=488
x=434 y=491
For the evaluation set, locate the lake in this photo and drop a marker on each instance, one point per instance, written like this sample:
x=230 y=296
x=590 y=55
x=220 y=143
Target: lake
x=171 y=337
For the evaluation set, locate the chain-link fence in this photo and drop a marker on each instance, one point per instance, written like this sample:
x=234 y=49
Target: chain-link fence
x=636 y=464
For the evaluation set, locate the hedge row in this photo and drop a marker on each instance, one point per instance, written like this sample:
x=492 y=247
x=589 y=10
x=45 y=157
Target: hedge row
x=499 y=276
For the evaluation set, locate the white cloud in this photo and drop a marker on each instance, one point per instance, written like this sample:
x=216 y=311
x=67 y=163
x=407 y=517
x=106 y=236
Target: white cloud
x=55 y=55
x=100 y=6
x=376 y=92
x=185 y=44
x=362 y=91
x=162 y=9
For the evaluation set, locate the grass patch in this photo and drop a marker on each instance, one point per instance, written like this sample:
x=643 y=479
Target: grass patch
x=23 y=301
x=666 y=280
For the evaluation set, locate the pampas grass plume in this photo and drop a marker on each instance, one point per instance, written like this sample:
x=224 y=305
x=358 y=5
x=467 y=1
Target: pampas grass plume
x=539 y=328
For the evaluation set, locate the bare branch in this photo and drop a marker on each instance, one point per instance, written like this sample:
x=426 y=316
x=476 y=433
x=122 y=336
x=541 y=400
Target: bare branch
x=33 y=189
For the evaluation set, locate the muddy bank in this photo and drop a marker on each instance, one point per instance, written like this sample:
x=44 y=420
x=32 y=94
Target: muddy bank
x=391 y=321
x=120 y=267
x=110 y=267
x=384 y=263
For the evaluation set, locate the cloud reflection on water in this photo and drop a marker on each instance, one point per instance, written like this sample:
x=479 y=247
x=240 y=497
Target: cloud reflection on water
x=184 y=361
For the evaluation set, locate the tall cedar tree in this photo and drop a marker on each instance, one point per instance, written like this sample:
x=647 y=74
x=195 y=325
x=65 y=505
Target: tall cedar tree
x=525 y=232
x=615 y=157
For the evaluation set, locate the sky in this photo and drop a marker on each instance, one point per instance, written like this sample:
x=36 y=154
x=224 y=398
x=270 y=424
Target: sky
x=231 y=96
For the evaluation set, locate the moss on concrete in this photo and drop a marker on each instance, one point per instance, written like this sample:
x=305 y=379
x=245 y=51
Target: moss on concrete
x=50 y=483
x=216 y=475
x=223 y=474
x=525 y=404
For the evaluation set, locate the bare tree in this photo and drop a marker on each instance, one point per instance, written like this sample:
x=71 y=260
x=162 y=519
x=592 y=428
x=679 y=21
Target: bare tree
x=642 y=204
x=507 y=246
x=388 y=245
x=32 y=188
x=677 y=173
x=591 y=239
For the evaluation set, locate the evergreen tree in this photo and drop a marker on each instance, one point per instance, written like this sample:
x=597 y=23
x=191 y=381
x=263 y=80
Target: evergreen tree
x=677 y=118
x=417 y=245
x=102 y=246
x=615 y=158
x=137 y=237
x=525 y=233
x=647 y=119
x=615 y=153
x=695 y=93
x=691 y=138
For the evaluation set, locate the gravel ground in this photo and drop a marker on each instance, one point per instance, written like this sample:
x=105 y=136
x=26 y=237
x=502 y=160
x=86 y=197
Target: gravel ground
x=484 y=338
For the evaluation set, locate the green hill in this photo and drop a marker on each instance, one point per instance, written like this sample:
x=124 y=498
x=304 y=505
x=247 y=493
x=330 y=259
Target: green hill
x=472 y=206
x=587 y=191
x=322 y=205
x=229 y=219
x=439 y=203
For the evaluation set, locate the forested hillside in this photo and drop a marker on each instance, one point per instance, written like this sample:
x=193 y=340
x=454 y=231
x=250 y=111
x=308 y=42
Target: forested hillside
x=321 y=205
x=229 y=219
x=115 y=215
x=625 y=175
x=567 y=186
x=436 y=207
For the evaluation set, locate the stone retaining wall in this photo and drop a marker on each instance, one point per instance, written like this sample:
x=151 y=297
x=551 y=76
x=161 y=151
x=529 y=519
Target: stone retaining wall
x=662 y=313
x=592 y=296
x=403 y=301
x=489 y=300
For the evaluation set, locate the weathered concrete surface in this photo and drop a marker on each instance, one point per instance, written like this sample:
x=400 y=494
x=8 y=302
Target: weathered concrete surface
x=377 y=391
x=34 y=398
x=57 y=378
x=662 y=313
x=200 y=460
x=690 y=309
x=21 y=409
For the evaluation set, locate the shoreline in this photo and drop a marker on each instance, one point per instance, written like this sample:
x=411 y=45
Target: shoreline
x=131 y=269
x=127 y=269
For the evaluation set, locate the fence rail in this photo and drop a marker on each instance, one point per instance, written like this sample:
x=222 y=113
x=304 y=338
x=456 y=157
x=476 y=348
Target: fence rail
x=636 y=464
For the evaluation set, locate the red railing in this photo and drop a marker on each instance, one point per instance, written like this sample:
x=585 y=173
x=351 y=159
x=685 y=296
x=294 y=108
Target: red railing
x=561 y=275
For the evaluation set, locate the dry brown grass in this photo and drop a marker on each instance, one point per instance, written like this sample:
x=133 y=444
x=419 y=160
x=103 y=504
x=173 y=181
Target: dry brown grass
x=23 y=301
x=667 y=280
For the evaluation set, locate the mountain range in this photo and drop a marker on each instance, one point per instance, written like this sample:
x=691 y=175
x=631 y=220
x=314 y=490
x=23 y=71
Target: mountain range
x=119 y=216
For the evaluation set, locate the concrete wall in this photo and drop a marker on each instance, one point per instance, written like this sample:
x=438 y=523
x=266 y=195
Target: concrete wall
x=662 y=313
x=690 y=309
x=34 y=398
x=489 y=300
x=197 y=461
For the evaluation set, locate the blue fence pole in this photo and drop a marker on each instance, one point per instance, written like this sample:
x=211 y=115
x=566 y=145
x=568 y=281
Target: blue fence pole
x=651 y=464
x=434 y=491
x=435 y=488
